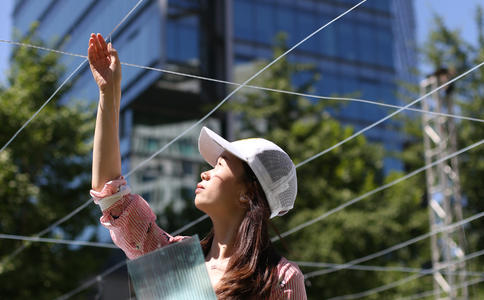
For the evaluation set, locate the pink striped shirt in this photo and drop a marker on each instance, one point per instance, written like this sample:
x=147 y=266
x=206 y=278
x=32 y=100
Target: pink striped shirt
x=131 y=223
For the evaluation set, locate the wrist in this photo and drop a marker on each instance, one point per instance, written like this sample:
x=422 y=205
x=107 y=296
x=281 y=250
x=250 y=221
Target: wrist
x=107 y=91
x=117 y=87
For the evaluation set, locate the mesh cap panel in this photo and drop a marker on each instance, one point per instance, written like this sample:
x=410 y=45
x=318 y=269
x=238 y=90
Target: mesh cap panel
x=281 y=191
x=277 y=163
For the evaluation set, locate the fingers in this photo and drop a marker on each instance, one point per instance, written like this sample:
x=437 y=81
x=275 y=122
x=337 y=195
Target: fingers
x=90 y=49
x=99 y=48
x=100 y=53
x=90 y=52
x=93 y=52
x=113 y=53
x=103 y=44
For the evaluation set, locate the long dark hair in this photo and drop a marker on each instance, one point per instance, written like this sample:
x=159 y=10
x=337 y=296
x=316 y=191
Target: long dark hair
x=252 y=269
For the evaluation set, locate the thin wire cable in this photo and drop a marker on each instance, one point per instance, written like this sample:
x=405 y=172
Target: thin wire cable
x=124 y=19
x=42 y=48
x=438 y=292
x=63 y=83
x=357 y=199
x=92 y=281
x=404 y=280
x=177 y=232
x=228 y=96
x=400 y=109
x=41 y=107
x=57 y=241
x=299 y=263
x=259 y=87
x=89 y=244
x=238 y=88
x=107 y=272
x=350 y=202
x=382 y=269
x=378 y=289
x=395 y=247
x=48 y=229
x=374 y=191
x=275 y=239
x=390 y=115
x=321 y=153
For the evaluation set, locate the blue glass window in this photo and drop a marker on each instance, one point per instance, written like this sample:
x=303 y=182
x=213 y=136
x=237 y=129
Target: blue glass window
x=285 y=21
x=188 y=42
x=329 y=84
x=30 y=11
x=371 y=92
x=171 y=45
x=327 y=38
x=182 y=42
x=350 y=87
x=367 y=44
x=351 y=2
x=264 y=19
x=346 y=40
x=385 y=48
x=243 y=27
x=381 y=5
x=387 y=92
x=306 y=24
x=244 y=52
x=301 y=78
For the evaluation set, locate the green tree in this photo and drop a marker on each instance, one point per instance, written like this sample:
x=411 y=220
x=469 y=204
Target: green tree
x=44 y=174
x=304 y=128
x=446 y=49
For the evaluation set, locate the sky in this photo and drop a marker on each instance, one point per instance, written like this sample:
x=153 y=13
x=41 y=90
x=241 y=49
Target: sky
x=5 y=29
x=457 y=15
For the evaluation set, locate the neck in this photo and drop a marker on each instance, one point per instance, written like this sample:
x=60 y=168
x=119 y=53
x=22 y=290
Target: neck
x=224 y=235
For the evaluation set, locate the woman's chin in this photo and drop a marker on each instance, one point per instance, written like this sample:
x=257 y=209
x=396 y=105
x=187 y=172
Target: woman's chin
x=205 y=206
x=200 y=204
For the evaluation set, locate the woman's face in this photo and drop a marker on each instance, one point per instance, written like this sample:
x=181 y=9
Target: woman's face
x=221 y=188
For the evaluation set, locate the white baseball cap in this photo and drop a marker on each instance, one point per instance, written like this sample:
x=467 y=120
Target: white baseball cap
x=271 y=165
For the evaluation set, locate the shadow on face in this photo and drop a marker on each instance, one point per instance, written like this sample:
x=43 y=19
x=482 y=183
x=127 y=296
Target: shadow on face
x=221 y=191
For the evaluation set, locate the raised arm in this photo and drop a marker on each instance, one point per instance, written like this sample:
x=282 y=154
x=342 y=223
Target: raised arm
x=106 y=70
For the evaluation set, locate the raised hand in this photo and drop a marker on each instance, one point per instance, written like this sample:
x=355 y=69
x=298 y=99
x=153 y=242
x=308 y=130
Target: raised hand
x=104 y=63
x=106 y=70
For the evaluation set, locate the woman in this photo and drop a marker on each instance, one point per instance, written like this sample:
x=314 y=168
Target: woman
x=251 y=181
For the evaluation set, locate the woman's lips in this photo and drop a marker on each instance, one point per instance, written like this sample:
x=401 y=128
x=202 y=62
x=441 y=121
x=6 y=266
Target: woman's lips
x=199 y=188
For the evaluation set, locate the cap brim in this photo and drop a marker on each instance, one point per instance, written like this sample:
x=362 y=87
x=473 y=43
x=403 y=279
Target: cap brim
x=211 y=146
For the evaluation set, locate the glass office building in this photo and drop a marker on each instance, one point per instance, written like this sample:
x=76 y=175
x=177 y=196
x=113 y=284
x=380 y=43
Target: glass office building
x=365 y=53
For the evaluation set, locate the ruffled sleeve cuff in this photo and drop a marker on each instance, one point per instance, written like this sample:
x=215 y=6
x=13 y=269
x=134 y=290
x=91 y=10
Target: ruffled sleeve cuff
x=111 y=193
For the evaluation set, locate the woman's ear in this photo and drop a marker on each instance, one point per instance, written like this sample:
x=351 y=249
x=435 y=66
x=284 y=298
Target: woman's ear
x=244 y=200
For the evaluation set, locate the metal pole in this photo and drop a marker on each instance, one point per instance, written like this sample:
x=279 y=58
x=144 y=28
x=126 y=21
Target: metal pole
x=443 y=188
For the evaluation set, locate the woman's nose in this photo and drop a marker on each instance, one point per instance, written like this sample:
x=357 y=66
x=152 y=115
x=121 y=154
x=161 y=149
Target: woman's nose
x=205 y=175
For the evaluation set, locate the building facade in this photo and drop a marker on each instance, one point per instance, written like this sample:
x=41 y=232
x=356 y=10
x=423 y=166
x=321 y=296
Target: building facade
x=365 y=53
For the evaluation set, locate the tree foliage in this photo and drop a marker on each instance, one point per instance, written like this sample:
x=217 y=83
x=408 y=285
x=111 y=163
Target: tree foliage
x=304 y=128
x=44 y=174
x=447 y=49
